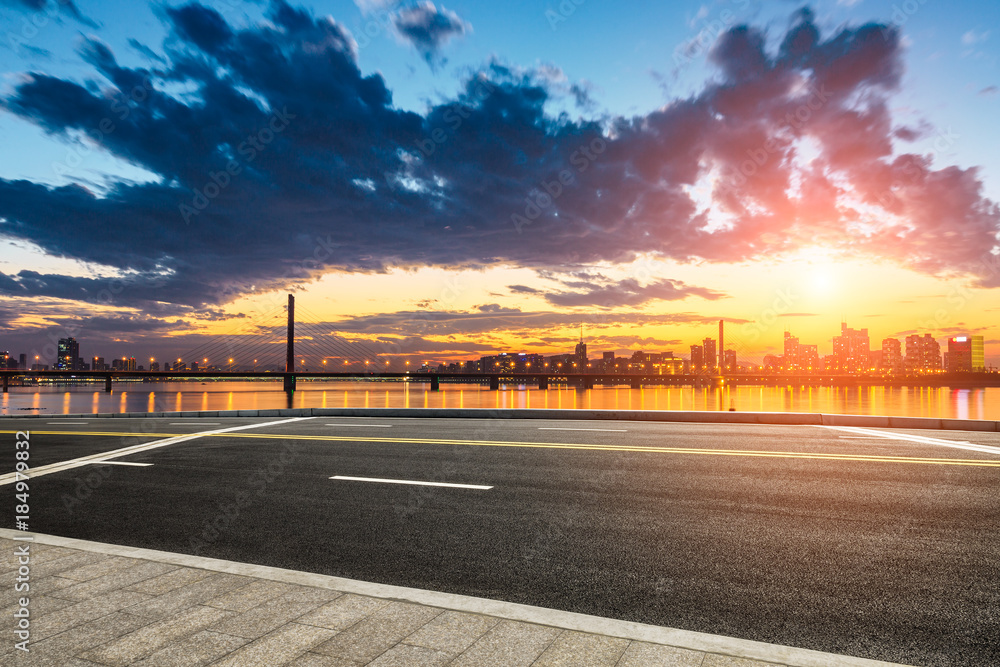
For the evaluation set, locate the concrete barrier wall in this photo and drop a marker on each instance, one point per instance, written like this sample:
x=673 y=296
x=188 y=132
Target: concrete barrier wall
x=704 y=417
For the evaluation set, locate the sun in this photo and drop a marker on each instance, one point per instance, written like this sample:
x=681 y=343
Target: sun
x=822 y=281
x=818 y=271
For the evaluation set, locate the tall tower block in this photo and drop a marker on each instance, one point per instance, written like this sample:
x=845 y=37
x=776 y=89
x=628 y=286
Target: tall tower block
x=722 y=349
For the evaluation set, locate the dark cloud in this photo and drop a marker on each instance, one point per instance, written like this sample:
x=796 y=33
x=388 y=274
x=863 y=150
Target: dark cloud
x=428 y=28
x=636 y=342
x=496 y=308
x=202 y=26
x=627 y=292
x=53 y=6
x=510 y=322
x=282 y=161
x=417 y=345
x=523 y=289
x=121 y=324
x=145 y=50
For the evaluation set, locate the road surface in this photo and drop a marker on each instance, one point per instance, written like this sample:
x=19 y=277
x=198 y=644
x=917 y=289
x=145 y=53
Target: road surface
x=867 y=542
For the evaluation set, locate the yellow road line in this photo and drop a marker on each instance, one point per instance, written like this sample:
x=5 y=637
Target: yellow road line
x=578 y=446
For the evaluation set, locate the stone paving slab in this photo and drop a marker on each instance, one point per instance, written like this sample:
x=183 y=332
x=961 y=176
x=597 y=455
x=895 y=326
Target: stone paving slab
x=98 y=605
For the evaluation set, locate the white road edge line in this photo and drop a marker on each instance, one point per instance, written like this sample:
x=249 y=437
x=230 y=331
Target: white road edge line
x=954 y=444
x=363 y=425
x=408 y=481
x=67 y=423
x=121 y=463
x=564 y=428
x=134 y=449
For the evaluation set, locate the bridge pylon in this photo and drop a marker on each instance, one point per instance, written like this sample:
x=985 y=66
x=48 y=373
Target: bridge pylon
x=289 y=377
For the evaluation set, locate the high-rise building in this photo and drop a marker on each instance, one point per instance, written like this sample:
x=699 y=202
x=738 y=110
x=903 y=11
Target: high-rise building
x=97 y=364
x=798 y=357
x=655 y=363
x=722 y=347
x=697 y=358
x=22 y=361
x=123 y=364
x=711 y=356
x=791 y=352
x=923 y=354
x=581 y=352
x=730 y=361
x=851 y=350
x=892 y=356
x=68 y=354
x=966 y=354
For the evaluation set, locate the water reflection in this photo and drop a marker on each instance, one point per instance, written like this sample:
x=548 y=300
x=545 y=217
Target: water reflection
x=176 y=396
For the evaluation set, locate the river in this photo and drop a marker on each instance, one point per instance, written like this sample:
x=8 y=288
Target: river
x=241 y=395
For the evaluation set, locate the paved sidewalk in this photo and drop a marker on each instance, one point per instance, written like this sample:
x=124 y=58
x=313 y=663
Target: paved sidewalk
x=95 y=604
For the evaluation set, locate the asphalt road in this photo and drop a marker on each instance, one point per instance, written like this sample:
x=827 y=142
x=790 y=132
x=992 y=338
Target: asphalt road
x=835 y=540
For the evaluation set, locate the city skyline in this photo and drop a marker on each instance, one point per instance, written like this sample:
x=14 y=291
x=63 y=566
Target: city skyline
x=464 y=179
x=853 y=352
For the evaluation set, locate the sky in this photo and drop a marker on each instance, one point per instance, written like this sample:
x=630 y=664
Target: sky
x=443 y=181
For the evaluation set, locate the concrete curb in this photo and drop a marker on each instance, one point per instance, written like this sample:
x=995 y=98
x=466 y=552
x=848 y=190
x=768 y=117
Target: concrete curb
x=705 y=417
x=697 y=641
